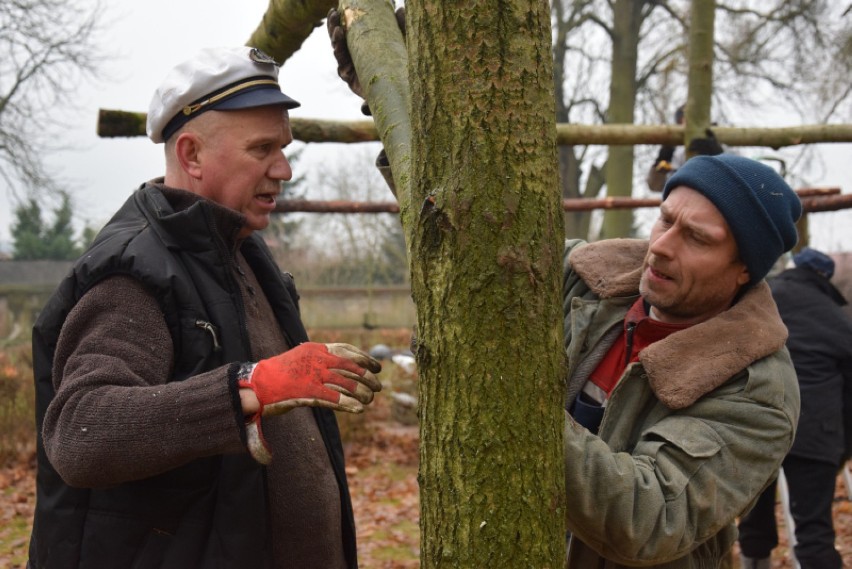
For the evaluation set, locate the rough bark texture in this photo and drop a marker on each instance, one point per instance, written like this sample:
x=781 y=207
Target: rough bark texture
x=626 y=21
x=287 y=24
x=485 y=238
x=700 y=82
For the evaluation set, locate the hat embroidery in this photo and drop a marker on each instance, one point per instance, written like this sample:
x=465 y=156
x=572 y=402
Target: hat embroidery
x=260 y=57
x=189 y=109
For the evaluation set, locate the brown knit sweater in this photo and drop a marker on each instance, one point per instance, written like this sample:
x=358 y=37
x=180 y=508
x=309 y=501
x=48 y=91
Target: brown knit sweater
x=116 y=417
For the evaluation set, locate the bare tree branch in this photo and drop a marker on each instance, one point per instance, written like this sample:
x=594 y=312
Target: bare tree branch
x=287 y=24
x=46 y=48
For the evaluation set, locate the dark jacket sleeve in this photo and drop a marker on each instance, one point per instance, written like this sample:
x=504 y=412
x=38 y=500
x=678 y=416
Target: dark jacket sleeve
x=847 y=411
x=820 y=345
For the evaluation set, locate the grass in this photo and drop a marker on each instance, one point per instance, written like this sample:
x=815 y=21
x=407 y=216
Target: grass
x=14 y=537
x=17 y=401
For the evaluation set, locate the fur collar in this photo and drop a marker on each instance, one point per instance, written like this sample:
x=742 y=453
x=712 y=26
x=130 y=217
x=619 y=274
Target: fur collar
x=694 y=361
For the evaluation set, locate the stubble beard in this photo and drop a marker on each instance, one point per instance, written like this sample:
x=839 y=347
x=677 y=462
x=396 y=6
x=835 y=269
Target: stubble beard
x=657 y=301
x=670 y=304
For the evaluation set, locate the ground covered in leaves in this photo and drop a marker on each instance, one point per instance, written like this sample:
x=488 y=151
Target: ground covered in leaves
x=381 y=462
x=381 y=447
x=382 y=469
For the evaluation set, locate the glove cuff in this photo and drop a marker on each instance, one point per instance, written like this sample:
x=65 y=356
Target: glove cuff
x=257 y=446
x=255 y=441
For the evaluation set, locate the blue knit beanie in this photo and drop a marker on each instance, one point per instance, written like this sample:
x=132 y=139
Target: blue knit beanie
x=817 y=261
x=760 y=207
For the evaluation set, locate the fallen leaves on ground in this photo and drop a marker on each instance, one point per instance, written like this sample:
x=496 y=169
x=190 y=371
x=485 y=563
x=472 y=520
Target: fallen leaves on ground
x=17 y=502
x=382 y=473
x=842 y=513
x=382 y=470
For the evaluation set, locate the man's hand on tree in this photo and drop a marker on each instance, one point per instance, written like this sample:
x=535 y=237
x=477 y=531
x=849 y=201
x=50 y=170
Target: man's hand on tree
x=705 y=146
x=345 y=65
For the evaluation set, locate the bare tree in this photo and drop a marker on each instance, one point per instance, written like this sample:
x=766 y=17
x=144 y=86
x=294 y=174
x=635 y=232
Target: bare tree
x=571 y=88
x=46 y=48
x=356 y=237
x=796 y=54
x=344 y=249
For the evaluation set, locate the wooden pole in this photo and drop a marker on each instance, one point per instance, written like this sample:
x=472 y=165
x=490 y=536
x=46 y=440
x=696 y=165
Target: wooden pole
x=115 y=123
x=813 y=200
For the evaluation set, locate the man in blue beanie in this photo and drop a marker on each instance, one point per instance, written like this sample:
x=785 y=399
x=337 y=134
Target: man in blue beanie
x=681 y=399
x=820 y=345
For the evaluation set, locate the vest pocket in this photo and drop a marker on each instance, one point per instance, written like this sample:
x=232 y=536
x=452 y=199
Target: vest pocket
x=116 y=541
x=201 y=344
x=153 y=550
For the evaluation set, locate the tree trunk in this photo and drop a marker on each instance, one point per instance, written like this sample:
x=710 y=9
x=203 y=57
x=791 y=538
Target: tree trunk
x=485 y=243
x=287 y=24
x=700 y=80
x=627 y=19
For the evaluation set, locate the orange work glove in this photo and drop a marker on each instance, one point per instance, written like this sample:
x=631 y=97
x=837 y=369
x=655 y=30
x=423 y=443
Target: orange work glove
x=336 y=376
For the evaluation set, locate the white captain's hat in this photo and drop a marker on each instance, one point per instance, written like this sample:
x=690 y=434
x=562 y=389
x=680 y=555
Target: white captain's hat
x=227 y=78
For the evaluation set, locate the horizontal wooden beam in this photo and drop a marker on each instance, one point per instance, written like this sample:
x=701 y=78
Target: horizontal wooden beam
x=115 y=123
x=813 y=200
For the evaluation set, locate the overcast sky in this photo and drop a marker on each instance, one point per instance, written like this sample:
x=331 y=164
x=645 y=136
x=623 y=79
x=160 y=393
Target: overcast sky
x=147 y=38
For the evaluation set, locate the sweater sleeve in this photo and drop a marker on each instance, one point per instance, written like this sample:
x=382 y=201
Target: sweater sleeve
x=116 y=416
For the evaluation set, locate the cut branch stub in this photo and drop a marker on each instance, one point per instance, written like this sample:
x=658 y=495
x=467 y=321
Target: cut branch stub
x=286 y=25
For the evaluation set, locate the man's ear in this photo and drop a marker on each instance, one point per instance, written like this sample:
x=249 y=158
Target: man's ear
x=188 y=151
x=744 y=276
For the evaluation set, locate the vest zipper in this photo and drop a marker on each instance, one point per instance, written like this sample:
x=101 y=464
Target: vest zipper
x=208 y=327
x=230 y=254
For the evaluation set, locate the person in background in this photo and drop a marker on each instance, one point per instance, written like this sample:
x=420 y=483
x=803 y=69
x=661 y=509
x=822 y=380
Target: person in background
x=184 y=419
x=670 y=158
x=820 y=344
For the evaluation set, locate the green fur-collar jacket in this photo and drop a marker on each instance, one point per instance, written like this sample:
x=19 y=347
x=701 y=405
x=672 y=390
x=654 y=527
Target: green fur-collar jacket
x=691 y=434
